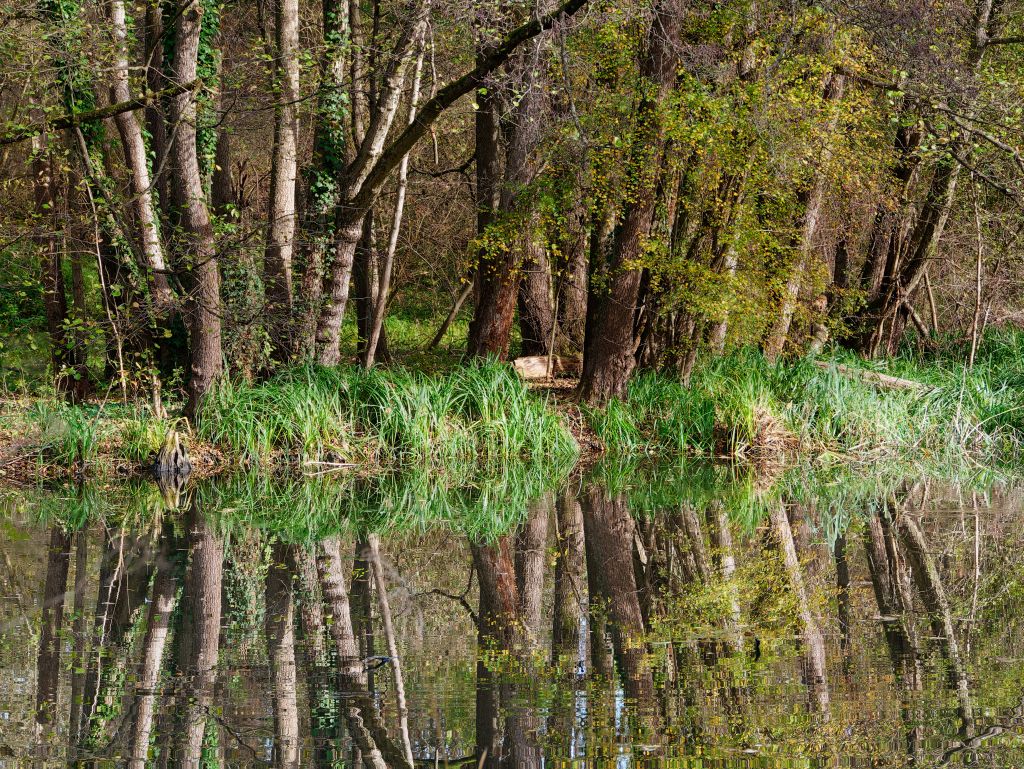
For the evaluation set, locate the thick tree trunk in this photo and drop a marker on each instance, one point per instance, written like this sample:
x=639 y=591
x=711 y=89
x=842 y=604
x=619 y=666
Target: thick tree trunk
x=277 y=258
x=499 y=628
x=197 y=249
x=609 y=530
x=570 y=582
x=572 y=290
x=337 y=282
x=531 y=563
x=536 y=316
x=198 y=644
x=48 y=665
x=496 y=278
x=614 y=287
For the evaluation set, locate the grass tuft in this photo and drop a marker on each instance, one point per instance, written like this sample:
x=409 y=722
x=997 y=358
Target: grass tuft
x=477 y=413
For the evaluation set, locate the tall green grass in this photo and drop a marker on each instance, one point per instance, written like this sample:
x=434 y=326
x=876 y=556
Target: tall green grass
x=960 y=414
x=477 y=413
x=67 y=435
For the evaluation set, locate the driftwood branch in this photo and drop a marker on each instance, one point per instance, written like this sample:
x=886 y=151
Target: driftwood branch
x=885 y=381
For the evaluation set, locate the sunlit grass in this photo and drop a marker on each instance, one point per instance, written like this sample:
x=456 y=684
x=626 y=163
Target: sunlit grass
x=958 y=415
x=480 y=412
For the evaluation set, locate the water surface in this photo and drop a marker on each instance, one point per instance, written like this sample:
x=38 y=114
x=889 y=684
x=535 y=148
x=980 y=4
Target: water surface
x=678 y=618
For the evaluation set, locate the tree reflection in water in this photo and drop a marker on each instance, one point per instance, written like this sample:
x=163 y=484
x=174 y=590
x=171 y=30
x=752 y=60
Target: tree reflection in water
x=599 y=623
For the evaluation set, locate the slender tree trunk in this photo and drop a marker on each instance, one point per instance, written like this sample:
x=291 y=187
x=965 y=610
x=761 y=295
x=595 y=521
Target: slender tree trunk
x=812 y=201
x=55 y=302
x=158 y=623
x=197 y=247
x=81 y=637
x=280 y=627
x=141 y=185
x=277 y=258
x=813 y=639
x=389 y=636
x=155 y=116
x=383 y=290
x=933 y=594
x=460 y=300
x=364 y=725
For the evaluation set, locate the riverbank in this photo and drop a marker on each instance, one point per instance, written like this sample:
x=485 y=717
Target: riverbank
x=312 y=419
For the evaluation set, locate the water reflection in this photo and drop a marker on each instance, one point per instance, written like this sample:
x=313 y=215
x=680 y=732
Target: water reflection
x=606 y=621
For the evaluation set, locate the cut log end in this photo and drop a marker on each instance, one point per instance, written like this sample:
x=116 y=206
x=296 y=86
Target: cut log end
x=534 y=367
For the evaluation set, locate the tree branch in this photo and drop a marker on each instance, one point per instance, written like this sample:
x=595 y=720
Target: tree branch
x=431 y=110
x=77 y=119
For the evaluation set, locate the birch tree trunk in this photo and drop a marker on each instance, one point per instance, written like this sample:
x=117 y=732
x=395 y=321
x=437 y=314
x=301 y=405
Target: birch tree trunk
x=141 y=184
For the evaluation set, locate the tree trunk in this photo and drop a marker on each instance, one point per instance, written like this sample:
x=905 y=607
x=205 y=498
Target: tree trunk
x=536 y=316
x=933 y=594
x=141 y=185
x=812 y=201
x=79 y=635
x=531 y=562
x=197 y=248
x=198 y=644
x=158 y=622
x=499 y=628
x=48 y=665
x=813 y=639
x=496 y=279
x=277 y=259
x=608 y=353
x=572 y=289
x=280 y=628
x=323 y=176
x=376 y=330
x=570 y=565
x=609 y=532
x=336 y=287
x=380 y=581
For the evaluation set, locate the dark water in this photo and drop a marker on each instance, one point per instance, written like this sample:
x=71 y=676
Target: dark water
x=684 y=619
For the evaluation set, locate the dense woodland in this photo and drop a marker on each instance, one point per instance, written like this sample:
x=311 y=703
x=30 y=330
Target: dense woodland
x=193 y=190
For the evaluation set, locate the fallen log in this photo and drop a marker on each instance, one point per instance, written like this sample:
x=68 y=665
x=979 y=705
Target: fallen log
x=536 y=366
x=884 y=381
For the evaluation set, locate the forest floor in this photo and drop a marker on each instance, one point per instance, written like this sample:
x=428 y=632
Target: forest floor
x=314 y=420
